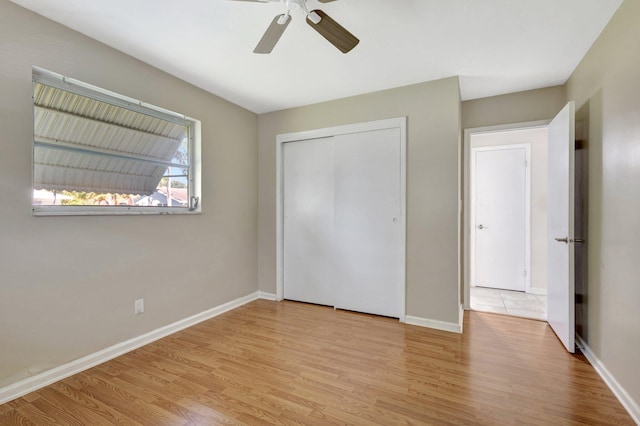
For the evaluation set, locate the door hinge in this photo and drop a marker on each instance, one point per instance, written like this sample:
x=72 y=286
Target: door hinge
x=525 y=272
x=526 y=163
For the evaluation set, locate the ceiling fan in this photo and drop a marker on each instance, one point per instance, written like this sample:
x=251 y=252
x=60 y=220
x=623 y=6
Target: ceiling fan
x=335 y=33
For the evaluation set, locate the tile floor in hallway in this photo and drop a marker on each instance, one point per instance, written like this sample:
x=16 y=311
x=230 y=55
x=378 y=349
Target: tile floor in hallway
x=516 y=303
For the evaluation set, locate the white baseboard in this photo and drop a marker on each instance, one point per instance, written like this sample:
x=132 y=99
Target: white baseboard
x=623 y=396
x=430 y=323
x=267 y=296
x=33 y=383
x=538 y=291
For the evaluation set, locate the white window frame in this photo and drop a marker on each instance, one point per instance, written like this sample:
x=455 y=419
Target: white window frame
x=50 y=78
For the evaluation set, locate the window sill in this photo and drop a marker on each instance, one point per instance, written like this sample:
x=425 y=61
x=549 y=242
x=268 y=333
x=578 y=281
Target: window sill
x=110 y=211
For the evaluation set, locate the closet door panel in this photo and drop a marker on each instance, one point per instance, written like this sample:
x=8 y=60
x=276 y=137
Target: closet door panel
x=308 y=221
x=367 y=261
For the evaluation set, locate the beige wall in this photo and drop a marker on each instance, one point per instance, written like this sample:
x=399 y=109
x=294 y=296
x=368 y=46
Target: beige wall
x=520 y=107
x=608 y=81
x=537 y=139
x=68 y=284
x=433 y=111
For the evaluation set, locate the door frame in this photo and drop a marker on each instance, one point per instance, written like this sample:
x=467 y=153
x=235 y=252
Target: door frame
x=466 y=219
x=527 y=214
x=392 y=123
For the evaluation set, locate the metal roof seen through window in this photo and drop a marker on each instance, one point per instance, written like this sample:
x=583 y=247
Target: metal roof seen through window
x=85 y=144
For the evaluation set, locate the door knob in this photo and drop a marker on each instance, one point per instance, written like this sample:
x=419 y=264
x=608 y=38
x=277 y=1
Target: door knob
x=481 y=226
x=569 y=240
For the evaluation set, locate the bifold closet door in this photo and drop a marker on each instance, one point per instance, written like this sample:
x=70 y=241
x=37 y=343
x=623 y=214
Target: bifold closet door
x=308 y=221
x=367 y=233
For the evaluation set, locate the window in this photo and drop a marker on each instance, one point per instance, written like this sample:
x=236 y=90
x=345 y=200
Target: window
x=97 y=152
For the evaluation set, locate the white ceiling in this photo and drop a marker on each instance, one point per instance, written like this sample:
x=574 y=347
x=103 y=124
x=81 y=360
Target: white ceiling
x=495 y=46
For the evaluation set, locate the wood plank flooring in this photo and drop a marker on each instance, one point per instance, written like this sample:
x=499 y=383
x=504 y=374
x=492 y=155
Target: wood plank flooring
x=292 y=363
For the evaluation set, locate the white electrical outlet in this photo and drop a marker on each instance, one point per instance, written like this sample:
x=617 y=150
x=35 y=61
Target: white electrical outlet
x=139 y=306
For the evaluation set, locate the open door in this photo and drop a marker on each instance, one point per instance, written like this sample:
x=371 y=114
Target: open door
x=560 y=225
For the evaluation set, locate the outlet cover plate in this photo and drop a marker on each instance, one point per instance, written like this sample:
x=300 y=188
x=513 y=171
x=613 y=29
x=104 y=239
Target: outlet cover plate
x=139 y=306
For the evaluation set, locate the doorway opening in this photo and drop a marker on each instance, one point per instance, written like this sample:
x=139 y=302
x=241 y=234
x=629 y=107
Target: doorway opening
x=506 y=220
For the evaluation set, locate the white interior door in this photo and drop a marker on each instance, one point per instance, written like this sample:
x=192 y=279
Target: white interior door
x=308 y=221
x=367 y=228
x=560 y=253
x=500 y=209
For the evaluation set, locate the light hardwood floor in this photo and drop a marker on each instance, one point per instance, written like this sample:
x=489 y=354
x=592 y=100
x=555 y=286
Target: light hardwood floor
x=293 y=363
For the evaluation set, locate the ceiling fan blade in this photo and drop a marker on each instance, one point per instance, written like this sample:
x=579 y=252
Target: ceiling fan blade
x=273 y=34
x=335 y=33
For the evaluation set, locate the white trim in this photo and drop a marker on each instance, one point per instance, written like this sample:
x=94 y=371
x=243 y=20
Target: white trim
x=435 y=324
x=537 y=291
x=33 y=383
x=400 y=123
x=367 y=126
x=467 y=188
x=267 y=296
x=623 y=396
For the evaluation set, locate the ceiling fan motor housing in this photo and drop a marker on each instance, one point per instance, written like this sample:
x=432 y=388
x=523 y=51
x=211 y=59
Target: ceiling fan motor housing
x=299 y=5
x=296 y=4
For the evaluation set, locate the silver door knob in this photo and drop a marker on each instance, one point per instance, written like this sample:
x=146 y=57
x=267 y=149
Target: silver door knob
x=562 y=240
x=481 y=226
